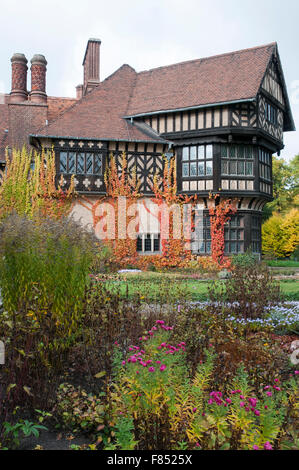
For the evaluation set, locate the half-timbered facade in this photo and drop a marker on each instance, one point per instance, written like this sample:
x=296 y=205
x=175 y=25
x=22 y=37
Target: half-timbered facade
x=221 y=118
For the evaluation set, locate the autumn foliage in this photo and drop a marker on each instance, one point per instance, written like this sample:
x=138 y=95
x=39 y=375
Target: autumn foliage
x=29 y=186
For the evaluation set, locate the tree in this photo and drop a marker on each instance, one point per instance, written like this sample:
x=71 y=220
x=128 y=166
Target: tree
x=281 y=234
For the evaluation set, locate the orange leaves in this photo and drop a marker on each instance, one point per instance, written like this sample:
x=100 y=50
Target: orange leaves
x=220 y=214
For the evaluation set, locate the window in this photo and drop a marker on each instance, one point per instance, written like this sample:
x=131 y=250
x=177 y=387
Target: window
x=234 y=235
x=265 y=163
x=197 y=161
x=271 y=113
x=236 y=160
x=256 y=234
x=81 y=163
x=203 y=245
x=148 y=243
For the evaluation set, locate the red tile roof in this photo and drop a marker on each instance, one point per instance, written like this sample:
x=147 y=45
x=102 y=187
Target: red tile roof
x=219 y=79
x=99 y=114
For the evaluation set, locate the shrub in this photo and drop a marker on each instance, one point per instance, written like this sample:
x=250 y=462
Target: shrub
x=248 y=291
x=44 y=267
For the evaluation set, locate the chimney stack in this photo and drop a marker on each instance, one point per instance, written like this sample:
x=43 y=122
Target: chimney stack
x=79 y=92
x=19 y=69
x=91 y=64
x=38 y=79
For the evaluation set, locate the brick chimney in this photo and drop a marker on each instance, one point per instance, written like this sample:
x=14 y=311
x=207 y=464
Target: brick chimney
x=79 y=92
x=91 y=64
x=19 y=69
x=38 y=79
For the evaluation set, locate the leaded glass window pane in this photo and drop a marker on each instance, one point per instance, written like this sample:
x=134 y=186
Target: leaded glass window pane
x=224 y=153
x=209 y=167
x=192 y=153
x=193 y=169
x=201 y=152
x=209 y=151
x=185 y=153
x=185 y=169
x=224 y=167
x=80 y=163
x=72 y=162
x=148 y=243
x=89 y=163
x=232 y=151
x=63 y=162
x=232 y=168
x=240 y=151
x=241 y=168
x=208 y=247
x=249 y=168
x=233 y=247
x=248 y=152
x=201 y=168
x=157 y=243
x=98 y=164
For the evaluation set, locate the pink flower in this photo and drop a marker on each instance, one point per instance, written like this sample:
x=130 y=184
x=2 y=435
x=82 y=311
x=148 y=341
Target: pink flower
x=268 y=446
x=131 y=349
x=256 y=447
x=163 y=367
x=276 y=380
x=116 y=343
x=197 y=444
x=137 y=371
x=210 y=401
x=242 y=397
x=158 y=362
x=253 y=402
x=194 y=410
x=266 y=407
x=269 y=394
x=242 y=404
x=296 y=372
x=228 y=400
x=203 y=414
x=277 y=388
x=257 y=413
x=267 y=388
x=123 y=363
x=151 y=369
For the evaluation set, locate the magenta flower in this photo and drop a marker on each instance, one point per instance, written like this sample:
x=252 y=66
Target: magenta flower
x=228 y=400
x=158 y=362
x=210 y=401
x=276 y=380
x=296 y=372
x=268 y=446
x=269 y=394
x=194 y=410
x=163 y=367
x=151 y=369
x=123 y=363
x=242 y=404
x=257 y=413
x=256 y=447
x=266 y=407
x=242 y=397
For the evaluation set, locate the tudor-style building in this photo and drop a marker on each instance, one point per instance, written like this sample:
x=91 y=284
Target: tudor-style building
x=222 y=118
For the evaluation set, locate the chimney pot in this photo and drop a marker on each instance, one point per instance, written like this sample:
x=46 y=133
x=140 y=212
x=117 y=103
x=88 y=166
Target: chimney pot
x=19 y=69
x=38 y=79
x=79 y=92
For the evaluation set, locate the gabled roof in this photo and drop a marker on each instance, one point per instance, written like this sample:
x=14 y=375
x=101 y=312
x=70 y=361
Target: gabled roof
x=99 y=114
x=225 y=78
x=219 y=79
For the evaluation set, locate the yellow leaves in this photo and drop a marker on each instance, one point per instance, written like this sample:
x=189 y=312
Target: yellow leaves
x=99 y=375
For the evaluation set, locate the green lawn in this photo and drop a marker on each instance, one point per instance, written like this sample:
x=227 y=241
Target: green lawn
x=283 y=264
x=157 y=286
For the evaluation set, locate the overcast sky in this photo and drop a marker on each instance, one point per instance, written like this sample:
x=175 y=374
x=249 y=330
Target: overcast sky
x=146 y=34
